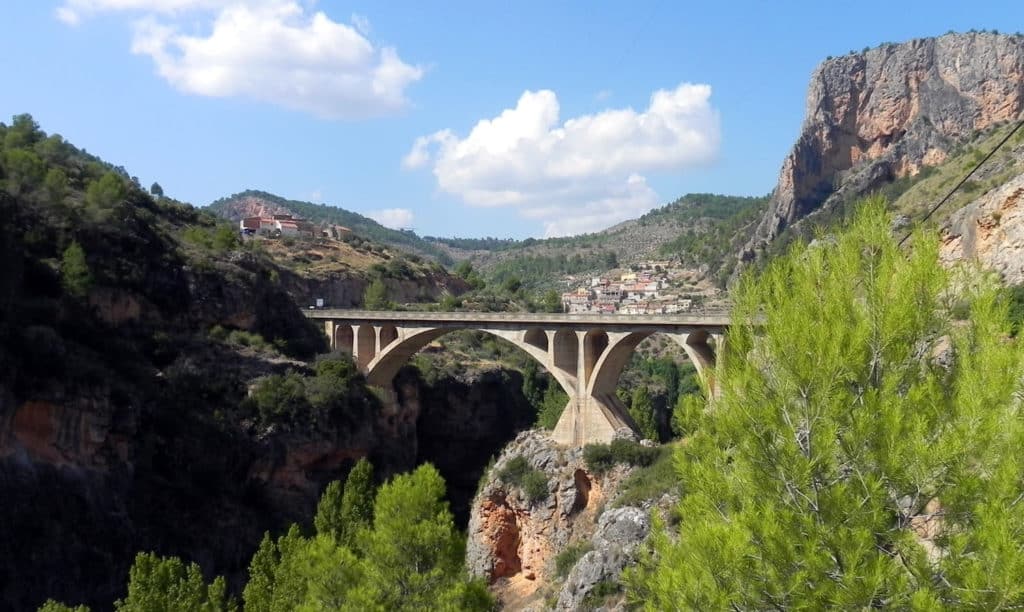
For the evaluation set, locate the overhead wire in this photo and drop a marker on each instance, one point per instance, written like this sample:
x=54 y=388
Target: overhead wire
x=967 y=177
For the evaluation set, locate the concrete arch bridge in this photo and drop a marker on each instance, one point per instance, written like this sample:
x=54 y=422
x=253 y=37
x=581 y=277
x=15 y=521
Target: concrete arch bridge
x=584 y=353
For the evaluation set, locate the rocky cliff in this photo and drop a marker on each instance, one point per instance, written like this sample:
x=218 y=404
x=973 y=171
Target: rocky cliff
x=887 y=112
x=515 y=538
x=990 y=230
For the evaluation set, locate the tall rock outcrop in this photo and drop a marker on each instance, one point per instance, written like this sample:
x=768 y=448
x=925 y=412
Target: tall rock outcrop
x=990 y=230
x=883 y=114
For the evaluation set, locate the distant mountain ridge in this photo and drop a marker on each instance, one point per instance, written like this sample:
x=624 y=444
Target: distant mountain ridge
x=702 y=230
x=252 y=202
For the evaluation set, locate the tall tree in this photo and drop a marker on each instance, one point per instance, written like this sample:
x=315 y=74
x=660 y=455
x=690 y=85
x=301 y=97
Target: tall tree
x=74 y=271
x=328 y=521
x=376 y=296
x=167 y=584
x=156 y=189
x=357 y=502
x=24 y=170
x=414 y=554
x=642 y=410
x=864 y=449
x=259 y=591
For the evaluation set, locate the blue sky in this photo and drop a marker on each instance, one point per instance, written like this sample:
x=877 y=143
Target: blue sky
x=455 y=118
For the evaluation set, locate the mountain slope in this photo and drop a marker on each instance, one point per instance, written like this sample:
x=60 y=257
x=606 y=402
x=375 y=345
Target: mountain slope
x=701 y=230
x=251 y=203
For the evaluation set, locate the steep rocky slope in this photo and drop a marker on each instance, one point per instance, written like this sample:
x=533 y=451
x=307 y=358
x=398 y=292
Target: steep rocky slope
x=886 y=113
x=990 y=230
x=518 y=540
x=132 y=331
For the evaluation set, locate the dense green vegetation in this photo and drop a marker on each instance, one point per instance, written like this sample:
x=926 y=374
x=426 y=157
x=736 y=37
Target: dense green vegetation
x=602 y=457
x=544 y=271
x=336 y=393
x=392 y=549
x=363 y=226
x=884 y=467
x=715 y=228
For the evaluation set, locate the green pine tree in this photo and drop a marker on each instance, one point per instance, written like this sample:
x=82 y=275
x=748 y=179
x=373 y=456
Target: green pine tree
x=328 y=521
x=642 y=410
x=167 y=584
x=376 y=296
x=414 y=554
x=864 y=451
x=259 y=591
x=551 y=408
x=357 y=502
x=74 y=271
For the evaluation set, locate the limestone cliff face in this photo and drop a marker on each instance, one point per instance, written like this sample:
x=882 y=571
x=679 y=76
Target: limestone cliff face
x=990 y=230
x=884 y=113
x=513 y=542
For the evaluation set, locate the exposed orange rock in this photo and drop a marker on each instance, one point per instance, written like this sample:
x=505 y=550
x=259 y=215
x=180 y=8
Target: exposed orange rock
x=885 y=113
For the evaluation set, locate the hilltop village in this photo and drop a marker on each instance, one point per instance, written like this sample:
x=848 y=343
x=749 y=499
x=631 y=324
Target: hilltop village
x=647 y=287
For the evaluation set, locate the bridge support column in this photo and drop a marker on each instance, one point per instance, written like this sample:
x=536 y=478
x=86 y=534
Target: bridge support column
x=329 y=330
x=593 y=414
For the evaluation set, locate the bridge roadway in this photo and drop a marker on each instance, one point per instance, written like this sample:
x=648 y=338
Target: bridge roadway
x=585 y=353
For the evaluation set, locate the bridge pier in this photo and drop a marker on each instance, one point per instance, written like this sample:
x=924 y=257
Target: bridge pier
x=585 y=356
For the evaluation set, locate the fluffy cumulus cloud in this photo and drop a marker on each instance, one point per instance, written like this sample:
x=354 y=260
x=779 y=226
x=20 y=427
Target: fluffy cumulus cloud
x=275 y=51
x=395 y=218
x=577 y=175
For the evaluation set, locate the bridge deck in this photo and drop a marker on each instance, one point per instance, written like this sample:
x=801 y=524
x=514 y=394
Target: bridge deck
x=709 y=318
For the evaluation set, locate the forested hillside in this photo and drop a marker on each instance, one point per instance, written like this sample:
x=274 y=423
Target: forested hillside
x=703 y=231
x=157 y=389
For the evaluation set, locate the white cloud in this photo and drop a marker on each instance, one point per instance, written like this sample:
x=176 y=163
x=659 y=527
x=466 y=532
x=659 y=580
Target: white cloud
x=579 y=175
x=73 y=11
x=362 y=24
x=275 y=51
x=395 y=218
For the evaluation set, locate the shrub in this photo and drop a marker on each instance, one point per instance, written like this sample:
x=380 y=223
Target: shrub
x=567 y=559
x=518 y=472
x=650 y=482
x=602 y=457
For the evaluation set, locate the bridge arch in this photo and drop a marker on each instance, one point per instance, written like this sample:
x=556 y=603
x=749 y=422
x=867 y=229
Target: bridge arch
x=343 y=340
x=608 y=366
x=382 y=369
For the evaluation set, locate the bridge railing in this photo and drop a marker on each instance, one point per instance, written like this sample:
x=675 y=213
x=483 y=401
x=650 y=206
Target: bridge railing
x=705 y=316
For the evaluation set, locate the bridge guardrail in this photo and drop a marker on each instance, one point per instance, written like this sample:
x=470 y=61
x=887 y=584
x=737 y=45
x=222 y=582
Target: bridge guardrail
x=704 y=316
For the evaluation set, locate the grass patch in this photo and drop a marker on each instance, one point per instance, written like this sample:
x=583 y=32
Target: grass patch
x=518 y=472
x=650 y=482
x=602 y=457
x=601 y=591
x=568 y=558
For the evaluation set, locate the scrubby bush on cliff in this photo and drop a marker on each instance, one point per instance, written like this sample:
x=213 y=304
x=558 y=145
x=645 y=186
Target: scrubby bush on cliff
x=54 y=606
x=518 y=472
x=552 y=406
x=336 y=392
x=602 y=457
x=864 y=451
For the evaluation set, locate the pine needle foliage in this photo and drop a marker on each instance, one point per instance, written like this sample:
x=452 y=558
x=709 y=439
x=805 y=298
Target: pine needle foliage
x=864 y=449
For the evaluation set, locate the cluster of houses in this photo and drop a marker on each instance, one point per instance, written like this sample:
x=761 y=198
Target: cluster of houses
x=278 y=226
x=644 y=291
